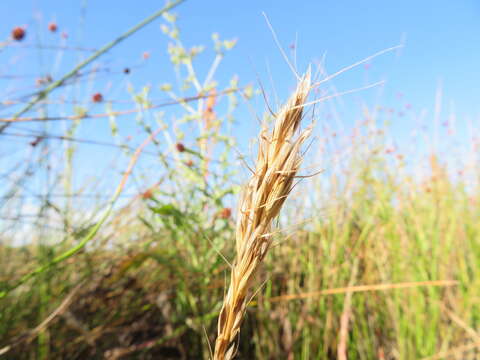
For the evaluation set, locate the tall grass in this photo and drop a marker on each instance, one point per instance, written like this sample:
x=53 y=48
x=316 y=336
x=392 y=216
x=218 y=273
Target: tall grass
x=378 y=229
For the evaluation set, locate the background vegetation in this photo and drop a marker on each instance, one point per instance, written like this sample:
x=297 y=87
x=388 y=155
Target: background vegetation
x=111 y=245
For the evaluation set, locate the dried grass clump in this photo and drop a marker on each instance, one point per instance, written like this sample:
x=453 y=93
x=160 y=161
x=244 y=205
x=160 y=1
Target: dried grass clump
x=278 y=161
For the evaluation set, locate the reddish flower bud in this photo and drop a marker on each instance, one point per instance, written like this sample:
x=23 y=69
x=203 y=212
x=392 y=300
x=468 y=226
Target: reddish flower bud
x=52 y=27
x=225 y=213
x=147 y=194
x=97 y=97
x=180 y=147
x=18 y=33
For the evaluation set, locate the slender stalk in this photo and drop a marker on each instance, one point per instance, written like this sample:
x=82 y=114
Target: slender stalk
x=43 y=93
x=93 y=231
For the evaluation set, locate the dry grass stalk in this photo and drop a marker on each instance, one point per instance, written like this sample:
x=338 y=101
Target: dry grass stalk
x=278 y=161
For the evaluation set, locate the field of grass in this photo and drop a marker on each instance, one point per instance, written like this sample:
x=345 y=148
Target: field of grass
x=376 y=257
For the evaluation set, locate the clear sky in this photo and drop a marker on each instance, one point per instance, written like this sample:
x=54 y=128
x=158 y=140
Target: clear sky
x=441 y=38
x=441 y=41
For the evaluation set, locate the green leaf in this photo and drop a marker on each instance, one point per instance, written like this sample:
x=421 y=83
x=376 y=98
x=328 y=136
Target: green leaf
x=170 y=211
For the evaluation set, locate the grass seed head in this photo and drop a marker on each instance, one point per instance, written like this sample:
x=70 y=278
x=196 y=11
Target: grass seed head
x=278 y=161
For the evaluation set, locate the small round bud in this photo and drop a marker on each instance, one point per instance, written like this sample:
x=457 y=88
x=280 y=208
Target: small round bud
x=180 y=147
x=18 y=33
x=52 y=27
x=97 y=97
x=225 y=213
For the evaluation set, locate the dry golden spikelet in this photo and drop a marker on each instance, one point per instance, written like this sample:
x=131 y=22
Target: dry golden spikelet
x=277 y=164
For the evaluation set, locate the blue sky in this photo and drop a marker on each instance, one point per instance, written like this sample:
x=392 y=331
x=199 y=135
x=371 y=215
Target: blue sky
x=440 y=37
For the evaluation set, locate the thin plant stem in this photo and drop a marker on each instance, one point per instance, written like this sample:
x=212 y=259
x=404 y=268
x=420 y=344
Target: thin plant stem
x=44 y=93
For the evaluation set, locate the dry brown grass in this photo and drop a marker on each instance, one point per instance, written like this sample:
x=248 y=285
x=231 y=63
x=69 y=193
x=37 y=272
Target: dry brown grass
x=278 y=161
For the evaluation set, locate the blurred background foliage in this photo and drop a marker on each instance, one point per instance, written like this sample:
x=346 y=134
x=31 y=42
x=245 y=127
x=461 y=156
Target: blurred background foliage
x=146 y=278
